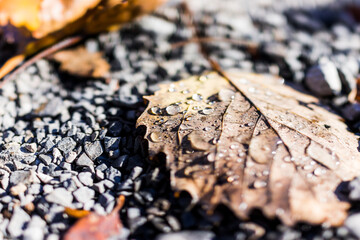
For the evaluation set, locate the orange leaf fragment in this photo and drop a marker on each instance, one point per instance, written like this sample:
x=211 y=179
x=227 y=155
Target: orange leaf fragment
x=96 y=227
x=80 y=62
x=76 y=213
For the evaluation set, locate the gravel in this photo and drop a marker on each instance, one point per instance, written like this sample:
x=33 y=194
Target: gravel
x=71 y=143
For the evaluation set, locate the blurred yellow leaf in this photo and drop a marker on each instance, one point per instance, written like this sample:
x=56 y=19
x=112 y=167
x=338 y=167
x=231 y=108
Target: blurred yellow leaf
x=42 y=23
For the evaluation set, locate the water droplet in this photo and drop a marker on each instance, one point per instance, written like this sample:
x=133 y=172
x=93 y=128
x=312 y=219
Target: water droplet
x=155 y=137
x=197 y=97
x=307 y=167
x=279 y=142
x=188 y=118
x=234 y=146
x=203 y=78
x=187 y=171
x=252 y=89
x=239 y=160
x=250 y=124
x=259 y=184
x=266 y=172
x=186 y=91
x=273 y=152
x=211 y=157
x=279 y=211
x=173 y=109
x=250 y=164
x=268 y=93
x=243 y=81
x=172 y=88
x=196 y=108
x=189 y=102
x=230 y=179
x=243 y=206
x=207 y=110
x=241 y=154
x=155 y=110
x=160 y=121
x=319 y=171
x=287 y=159
x=226 y=95
x=207 y=128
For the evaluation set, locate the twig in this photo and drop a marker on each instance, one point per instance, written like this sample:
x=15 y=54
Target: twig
x=54 y=48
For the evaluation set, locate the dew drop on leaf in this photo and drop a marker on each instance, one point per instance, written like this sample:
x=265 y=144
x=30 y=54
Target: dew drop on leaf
x=318 y=171
x=203 y=78
x=173 y=109
x=259 y=184
x=155 y=110
x=155 y=137
x=252 y=89
x=197 y=97
x=287 y=159
x=207 y=110
x=226 y=95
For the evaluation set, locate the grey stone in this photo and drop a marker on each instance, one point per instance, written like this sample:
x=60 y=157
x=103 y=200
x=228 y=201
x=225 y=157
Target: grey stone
x=93 y=149
x=35 y=229
x=86 y=178
x=323 y=79
x=34 y=189
x=107 y=201
x=84 y=160
x=99 y=187
x=20 y=176
x=185 y=235
x=31 y=147
x=66 y=145
x=60 y=196
x=53 y=107
x=70 y=156
x=112 y=143
x=352 y=223
x=354 y=188
x=49 y=144
x=18 y=219
x=84 y=194
x=351 y=111
x=65 y=166
x=113 y=174
x=136 y=172
x=115 y=129
x=46 y=159
x=120 y=161
x=133 y=213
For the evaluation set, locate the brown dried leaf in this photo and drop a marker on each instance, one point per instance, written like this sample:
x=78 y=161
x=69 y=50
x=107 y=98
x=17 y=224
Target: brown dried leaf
x=94 y=226
x=254 y=143
x=80 y=62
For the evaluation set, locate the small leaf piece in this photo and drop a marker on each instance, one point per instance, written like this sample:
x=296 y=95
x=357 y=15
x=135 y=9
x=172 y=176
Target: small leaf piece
x=262 y=145
x=96 y=227
x=80 y=62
